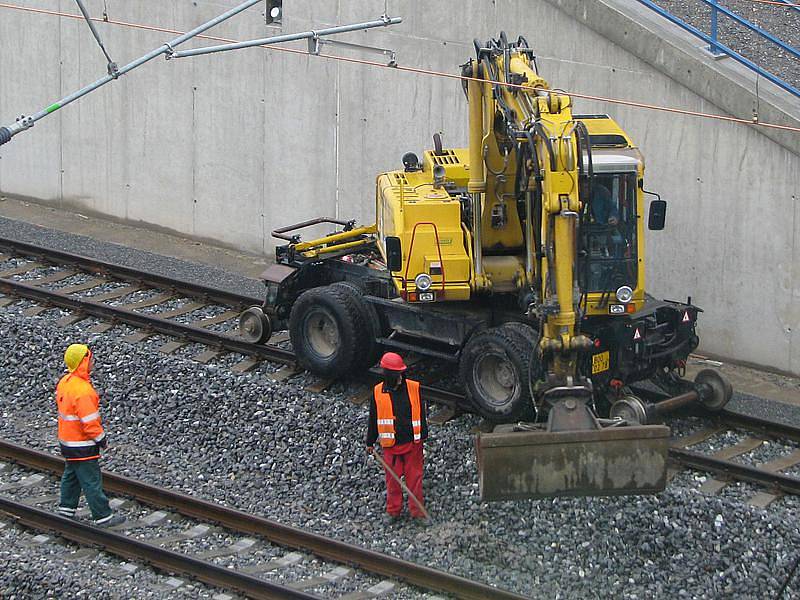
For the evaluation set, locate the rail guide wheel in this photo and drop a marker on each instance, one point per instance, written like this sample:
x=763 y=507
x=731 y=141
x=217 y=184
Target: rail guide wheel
x=255 y=326
x=631 y=409
x=715 y=390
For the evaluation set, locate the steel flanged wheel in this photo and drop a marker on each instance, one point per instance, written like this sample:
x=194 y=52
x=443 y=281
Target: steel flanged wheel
x=629 y=408
x=715 y=390
x=255 y=326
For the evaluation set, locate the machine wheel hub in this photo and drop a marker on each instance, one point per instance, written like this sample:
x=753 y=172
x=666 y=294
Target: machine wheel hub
x=496 y=378
x=322 y=333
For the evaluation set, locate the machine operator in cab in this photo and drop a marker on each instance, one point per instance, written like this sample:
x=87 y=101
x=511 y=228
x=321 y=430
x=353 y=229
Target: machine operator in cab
x=398 y=421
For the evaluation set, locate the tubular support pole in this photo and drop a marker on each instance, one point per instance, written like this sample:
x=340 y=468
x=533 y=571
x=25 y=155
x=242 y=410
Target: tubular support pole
x=112 y=67
x=289 y=37
x=23 y=123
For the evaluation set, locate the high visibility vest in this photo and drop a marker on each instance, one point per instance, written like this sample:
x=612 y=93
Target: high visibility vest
x=79 y=427
x=383 y=402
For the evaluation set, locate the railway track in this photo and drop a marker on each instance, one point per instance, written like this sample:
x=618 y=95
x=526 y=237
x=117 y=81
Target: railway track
x=767 y=474
x=57 y=267
x=21 y=500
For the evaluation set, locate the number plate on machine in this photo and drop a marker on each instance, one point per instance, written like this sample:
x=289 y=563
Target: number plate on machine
x=600 y=362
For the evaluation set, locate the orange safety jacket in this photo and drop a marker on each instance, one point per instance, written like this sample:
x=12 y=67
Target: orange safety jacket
x=383 y=402
x=80 y=432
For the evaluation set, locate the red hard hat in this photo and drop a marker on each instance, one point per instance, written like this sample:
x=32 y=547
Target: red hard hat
x=393 y=362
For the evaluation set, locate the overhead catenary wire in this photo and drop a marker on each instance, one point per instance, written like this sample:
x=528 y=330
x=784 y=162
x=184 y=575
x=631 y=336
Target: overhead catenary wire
x=424 y=71
x=26 y=122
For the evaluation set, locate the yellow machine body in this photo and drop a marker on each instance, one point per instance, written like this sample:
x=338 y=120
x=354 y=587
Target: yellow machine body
x=405 y=199
x=504 y=246
x=428 y=222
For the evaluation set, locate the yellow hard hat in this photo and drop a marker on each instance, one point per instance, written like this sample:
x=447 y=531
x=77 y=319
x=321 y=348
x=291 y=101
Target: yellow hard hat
x=74 y=355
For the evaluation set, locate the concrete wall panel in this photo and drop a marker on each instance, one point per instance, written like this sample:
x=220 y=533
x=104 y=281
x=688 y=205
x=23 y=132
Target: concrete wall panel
x=229 y=147
x=30 y=79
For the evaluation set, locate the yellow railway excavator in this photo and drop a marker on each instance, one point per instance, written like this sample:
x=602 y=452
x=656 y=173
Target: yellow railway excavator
x=521 y=259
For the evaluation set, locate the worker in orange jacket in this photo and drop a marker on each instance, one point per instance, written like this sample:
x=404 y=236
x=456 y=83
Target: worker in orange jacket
x=398 y=420
x=80 y=437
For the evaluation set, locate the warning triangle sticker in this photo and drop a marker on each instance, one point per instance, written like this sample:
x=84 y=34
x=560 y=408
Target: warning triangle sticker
x=686 y=318
x=637 y=335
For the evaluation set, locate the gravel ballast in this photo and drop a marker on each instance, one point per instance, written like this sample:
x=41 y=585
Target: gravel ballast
x=131 y=257
x=33 y=565
x=276 y=450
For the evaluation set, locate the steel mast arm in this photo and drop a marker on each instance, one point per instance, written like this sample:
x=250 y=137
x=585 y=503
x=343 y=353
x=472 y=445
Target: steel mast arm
x=289 y=37
x=24 y=122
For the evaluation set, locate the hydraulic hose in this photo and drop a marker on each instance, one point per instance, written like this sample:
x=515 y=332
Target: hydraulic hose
x=5 y=135
x=542 y=132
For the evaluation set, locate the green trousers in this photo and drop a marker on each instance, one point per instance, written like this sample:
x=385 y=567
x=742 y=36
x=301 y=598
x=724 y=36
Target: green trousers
x=83 y=475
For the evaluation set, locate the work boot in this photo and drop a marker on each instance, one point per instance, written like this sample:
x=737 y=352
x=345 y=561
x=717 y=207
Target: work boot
x=389 y=518
x=110 y=521
x=421 y=520
x=66 y=512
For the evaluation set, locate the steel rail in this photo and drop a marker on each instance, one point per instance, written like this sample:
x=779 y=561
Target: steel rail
x=161 y=558
x=284 y=535
x=762 y=426
x=145 y=321
x=125 y=273
x=734 y=470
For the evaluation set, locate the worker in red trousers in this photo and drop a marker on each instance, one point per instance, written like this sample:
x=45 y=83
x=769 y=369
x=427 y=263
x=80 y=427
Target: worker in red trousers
x=397 y=419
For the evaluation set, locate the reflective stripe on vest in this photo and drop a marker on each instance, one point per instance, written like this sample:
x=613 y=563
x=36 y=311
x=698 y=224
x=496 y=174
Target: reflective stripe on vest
x=383 y=402
x=77 y=444
x=86 y=419
x=80 y=429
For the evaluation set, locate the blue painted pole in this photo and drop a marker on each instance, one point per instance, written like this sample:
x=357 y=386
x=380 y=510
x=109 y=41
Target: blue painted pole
x=713 y=48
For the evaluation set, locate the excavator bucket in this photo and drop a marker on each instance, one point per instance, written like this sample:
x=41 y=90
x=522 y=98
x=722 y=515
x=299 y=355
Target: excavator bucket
x=514 y=465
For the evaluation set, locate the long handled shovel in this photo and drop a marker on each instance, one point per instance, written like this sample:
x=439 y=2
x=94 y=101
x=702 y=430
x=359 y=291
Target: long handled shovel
x=400 y=481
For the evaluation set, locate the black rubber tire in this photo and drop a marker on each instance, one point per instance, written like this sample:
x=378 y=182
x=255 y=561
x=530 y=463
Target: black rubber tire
x=535 y=370
x=368 y=325
x=336 y=305
x=507 y=345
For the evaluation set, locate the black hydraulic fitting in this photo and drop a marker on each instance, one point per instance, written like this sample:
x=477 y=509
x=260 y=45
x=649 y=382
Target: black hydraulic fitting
x=5 y=135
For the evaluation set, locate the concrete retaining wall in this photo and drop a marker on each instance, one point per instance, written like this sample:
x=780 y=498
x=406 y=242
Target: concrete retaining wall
x=231 y=146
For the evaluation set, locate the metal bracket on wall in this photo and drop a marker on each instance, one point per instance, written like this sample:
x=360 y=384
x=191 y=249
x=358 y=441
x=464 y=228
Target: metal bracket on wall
x=315 y=45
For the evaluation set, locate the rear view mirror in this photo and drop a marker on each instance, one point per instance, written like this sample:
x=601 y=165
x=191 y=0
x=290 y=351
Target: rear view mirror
x=394 y=254
x=658 y=215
